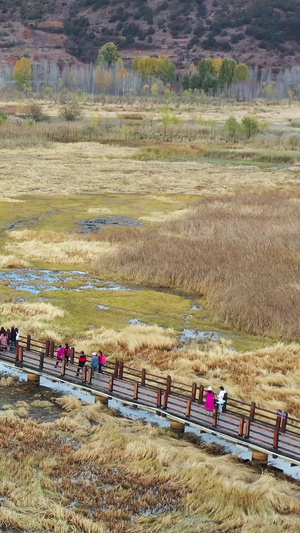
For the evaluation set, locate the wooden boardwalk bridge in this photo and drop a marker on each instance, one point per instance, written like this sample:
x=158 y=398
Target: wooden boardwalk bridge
x=262 y=431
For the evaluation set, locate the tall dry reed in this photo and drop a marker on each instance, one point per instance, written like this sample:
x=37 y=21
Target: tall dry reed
x=242 y=252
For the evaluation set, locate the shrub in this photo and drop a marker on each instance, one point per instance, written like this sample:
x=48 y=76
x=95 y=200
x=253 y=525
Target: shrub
x=232 y=127
x=36 y=114
x=71 y=112
x=250 y=126
x=3 y=116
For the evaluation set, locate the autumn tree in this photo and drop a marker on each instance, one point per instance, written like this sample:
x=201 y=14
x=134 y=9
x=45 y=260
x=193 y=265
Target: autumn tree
x=22 y=74
x=227 y=70
x=207 y=75
x=217 y=63
x=241 y=73
x=159 y=67
x=108 y=55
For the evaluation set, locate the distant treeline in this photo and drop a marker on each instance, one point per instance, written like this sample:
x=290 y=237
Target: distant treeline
x=226 y=79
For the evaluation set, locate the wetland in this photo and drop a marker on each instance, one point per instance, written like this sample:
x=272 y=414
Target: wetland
x=180 y=257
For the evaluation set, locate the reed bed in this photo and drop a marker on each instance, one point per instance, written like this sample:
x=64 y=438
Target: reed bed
x=241 y=252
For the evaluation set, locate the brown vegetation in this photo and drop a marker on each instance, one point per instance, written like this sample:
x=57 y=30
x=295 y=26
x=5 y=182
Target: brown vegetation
x=89 y=472
x=241 y=252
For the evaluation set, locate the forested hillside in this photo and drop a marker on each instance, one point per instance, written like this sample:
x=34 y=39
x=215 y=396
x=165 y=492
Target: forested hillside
x=262 y=32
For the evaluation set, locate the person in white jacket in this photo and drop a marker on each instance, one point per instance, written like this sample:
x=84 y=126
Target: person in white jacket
x=222 y=400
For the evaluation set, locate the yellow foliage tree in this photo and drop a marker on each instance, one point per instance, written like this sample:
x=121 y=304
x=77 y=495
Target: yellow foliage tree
x=22 y=74
x=217 y=64
x=159 y=67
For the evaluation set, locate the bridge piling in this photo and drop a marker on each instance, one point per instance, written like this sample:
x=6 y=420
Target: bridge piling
x=102 y=399
x=176 y=426
x=259 y=457
x=33 y=378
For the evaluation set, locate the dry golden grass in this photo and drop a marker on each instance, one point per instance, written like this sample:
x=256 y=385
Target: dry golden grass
x=11 y=261
x=90 y=472
x=160 y=216
x=87 y=168
x=56 y=247
x=39 y=311
x=279 y=112
x=240 y=251
x=242 y=497
x=132 y=338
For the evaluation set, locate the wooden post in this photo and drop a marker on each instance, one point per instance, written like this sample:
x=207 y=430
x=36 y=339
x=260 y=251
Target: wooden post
x=247 y=429
x=17 y=354
x=51 y=349
x=111 y=383
x=158 y=401
x=136 y=391
x=90 y=375
x=252 y=411
x=143 y=377
x=28 y=342
x=41 y=361
x=121 y=369
x=278 y=422
x=116 y=371
x=84 y=373
x=241 y=426
x=194 y=391
x=21 y=355
x=215 y=417
x=284 y=423
x=276 y=438
x=188 y=408
x=168 y=384
x=72 y=356
x=63 y=366
x=165 y=402
x=201 y=394
x=47 y=348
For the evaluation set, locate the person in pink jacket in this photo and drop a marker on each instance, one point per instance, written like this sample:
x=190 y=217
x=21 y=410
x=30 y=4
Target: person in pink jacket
x=60 y=353
x=3 y=339
x=101 y=360
x=210 y=400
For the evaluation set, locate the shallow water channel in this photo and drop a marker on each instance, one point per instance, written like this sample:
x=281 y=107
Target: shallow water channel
x=31 y=281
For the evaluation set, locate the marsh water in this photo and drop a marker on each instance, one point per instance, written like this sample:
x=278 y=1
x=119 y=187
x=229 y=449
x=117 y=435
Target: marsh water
x=32 y=281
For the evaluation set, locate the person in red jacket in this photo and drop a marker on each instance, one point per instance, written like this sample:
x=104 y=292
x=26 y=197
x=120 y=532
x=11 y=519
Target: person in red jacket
x=67 y=353
x=81 y=362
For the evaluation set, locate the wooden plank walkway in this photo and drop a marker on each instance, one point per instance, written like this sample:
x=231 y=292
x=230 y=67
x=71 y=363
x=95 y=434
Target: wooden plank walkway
x=246 y=424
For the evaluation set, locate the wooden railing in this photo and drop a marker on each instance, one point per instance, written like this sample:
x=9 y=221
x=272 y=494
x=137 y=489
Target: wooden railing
x=245 y=421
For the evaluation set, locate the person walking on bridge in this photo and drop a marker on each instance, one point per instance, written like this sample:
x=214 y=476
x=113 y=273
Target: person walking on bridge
x=81 y=362
x=13 y=339
x=94 y=362
x=222 y=400
x=67 y=353
x=59 y=356
x=3 y=339
x=210 y=400
x=101 y=360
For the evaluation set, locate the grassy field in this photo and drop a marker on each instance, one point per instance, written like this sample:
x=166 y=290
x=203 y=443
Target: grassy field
x=215 y=248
